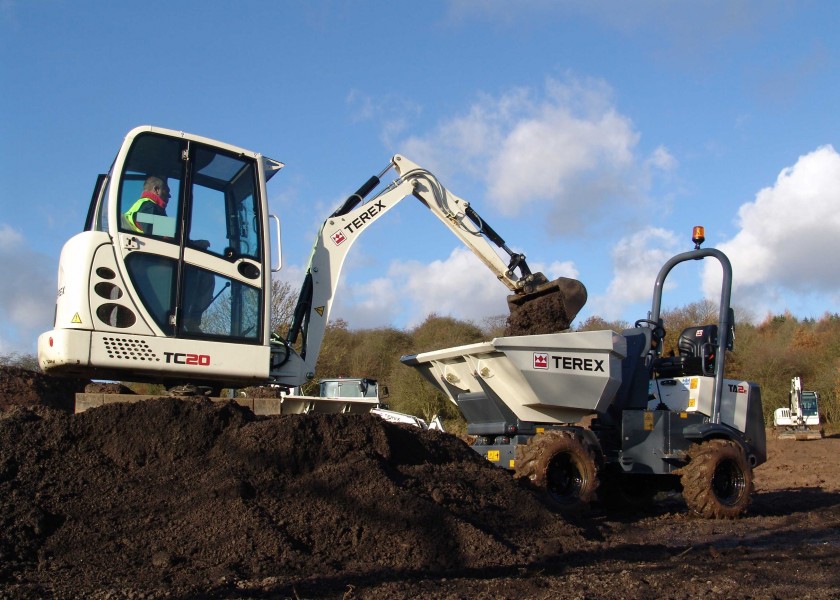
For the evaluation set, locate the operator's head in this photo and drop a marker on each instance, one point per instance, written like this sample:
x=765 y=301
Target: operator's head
x=158 y=186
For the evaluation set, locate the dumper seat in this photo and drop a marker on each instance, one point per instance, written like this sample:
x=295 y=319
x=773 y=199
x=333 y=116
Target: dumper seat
x=697 y=348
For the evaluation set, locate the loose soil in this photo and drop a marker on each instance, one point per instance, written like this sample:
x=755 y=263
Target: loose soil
x=185 y=498
x=549 y=311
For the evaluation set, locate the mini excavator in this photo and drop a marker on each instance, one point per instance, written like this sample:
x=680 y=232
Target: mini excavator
x=180 y=294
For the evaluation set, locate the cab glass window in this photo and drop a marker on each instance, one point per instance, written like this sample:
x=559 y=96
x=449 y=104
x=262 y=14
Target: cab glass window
x=233 y=310
x=154 y=279
x=150 y=188
x=224 y=209
x=97 y=217
x=101 y=218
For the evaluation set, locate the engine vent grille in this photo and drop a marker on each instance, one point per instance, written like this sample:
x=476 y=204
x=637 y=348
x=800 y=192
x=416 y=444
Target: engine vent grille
x=129 y=349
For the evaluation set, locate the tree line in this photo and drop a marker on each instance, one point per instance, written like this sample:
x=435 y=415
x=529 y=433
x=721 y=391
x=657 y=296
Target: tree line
x=770 y=354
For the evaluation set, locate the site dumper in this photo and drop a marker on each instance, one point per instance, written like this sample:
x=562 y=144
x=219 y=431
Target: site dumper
x=602 y=415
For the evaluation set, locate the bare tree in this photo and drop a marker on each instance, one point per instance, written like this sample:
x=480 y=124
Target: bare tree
x=24 y=361
x=217 y=318
x=283 y=302
x=596 y=323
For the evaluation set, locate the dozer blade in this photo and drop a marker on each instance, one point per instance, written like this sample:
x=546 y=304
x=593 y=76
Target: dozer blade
x=545 y=306
x=800 y=435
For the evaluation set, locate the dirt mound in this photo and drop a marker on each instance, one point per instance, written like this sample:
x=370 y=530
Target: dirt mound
x=178 y=497
x=22 y=387
x=187 y=499
x=110 y=387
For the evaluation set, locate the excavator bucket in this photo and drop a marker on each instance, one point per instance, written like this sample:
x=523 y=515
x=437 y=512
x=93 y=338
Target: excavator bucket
x=545 y=307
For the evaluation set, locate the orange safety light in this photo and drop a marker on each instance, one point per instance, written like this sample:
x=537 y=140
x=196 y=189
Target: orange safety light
x=698 y=236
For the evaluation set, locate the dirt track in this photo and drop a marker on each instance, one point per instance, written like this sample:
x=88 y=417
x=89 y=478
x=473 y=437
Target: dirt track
x=185 y=499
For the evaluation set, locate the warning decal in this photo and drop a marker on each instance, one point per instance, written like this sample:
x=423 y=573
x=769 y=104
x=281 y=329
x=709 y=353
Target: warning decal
x=76 y=319
x=319 y=310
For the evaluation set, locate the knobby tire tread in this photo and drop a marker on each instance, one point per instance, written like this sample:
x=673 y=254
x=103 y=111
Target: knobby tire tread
x=697 y=477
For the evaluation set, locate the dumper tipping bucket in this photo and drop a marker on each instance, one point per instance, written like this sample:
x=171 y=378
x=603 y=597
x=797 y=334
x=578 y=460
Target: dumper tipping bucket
x=556 y=378
x=546 y=307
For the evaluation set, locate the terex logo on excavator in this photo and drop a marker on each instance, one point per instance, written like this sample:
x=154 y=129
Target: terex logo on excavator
x=360 y=221
x=181 y=358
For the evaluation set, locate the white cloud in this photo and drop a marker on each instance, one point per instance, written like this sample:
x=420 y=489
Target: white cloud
x=661 y=159
x=9 y=239
x=369 y=304
x=499 y=10
x=27 y=295
x=552 y=156
x=681 y=30
x=636 y=262
x=556 y=269
x=786 y=249
x=562 y=156
x=458 y=286
x=8 y=12
x=561 y=153
x=391 y=109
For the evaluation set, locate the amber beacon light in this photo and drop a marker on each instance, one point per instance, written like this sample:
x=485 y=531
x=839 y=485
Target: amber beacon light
x=698 y=236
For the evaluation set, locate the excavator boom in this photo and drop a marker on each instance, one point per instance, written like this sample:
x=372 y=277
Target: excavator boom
x=342 y=228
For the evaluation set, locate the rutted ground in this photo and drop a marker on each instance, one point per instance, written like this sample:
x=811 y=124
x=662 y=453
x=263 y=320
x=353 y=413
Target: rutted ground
x=186 y=499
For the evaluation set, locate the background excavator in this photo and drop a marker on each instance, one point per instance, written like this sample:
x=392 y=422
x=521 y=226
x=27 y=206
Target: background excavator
x=800 y=420
x=124 y=296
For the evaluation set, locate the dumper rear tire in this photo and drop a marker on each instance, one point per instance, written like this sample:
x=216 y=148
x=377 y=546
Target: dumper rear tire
x=561 y=464
x=717 y=481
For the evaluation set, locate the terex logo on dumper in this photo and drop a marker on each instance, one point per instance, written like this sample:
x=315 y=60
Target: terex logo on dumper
x=568 y=363
x=181 y=358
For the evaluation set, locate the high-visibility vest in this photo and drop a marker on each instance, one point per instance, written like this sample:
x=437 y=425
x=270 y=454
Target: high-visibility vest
x=135 y=208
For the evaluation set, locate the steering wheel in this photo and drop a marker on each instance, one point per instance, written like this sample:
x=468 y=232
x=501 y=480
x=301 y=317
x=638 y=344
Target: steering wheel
x=657 y=330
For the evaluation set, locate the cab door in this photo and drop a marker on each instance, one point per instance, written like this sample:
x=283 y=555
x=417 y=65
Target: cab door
x=195 y=263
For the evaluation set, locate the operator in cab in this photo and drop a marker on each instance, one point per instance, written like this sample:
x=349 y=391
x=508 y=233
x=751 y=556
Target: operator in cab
x=199 y=283
x=153 y=201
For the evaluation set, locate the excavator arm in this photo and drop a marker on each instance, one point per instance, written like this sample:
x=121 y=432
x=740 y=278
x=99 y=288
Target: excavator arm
x=355 y=215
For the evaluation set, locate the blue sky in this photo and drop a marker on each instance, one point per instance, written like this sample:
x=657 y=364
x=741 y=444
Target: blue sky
x=591 y=135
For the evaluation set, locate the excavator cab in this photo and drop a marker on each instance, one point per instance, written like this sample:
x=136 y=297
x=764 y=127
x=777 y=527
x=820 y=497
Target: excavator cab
x=172 y=276
x=195 y=266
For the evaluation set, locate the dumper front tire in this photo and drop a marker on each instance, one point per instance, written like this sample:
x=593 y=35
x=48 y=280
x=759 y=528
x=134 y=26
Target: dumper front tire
x=561 y=464
x=717 y=481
